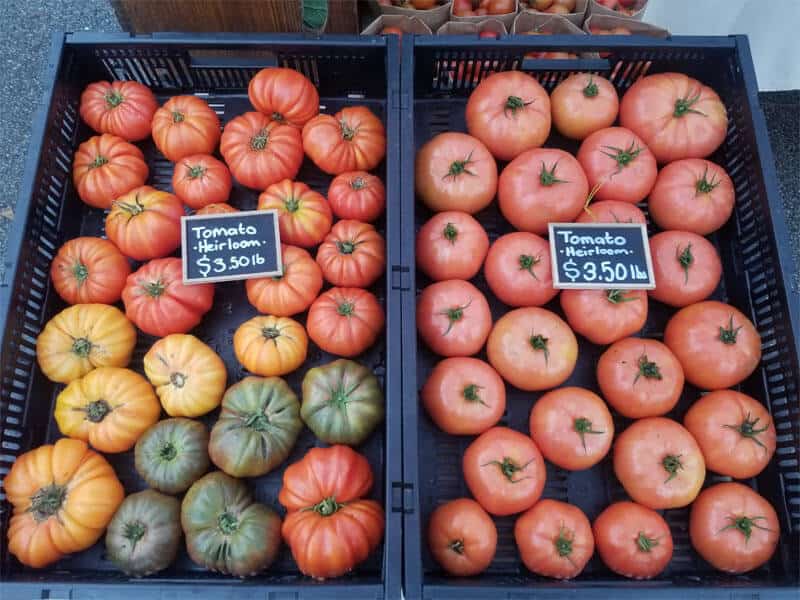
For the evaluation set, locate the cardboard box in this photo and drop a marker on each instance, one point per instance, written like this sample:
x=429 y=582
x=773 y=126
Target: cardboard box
x=547 y=23
x=576 y=18
x=433 y=18
x=461 y=28
x=635 y=27
x=598 y=9
x=407 y=24
x=507 y=19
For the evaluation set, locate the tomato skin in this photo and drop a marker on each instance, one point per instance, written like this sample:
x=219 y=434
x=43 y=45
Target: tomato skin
x=605 y=316
x=542 y=186
x=628 y=175
x=510 y=113
x=351 y=140
x=716 y=344
x=612 y=211
x=659 y=463
x=640 y=377
x=692 y=195
x=270 y=345
x=518 y=270
x=353 y=254
x=541 y=532
x=572 y=427
x=462 y=537
x=89 y=270
x=464 y=396
x=145 y=223
x=304 y=217
x=158 y=303
x=676 y=116
x=391 y=30
x=105 y=167
x=122 y=108
x=504 y=470
x=717 y=528
x=357 y=195
x=345 y=321
x=453 y=318
x=260 y=152
x=735 y=432
x=686 y=267
x=200 y=180
x=442 y=173
x=216 y=209
x=633 y=540
x=185 y=125
x=284 y=95
x=532 y=349
x=582 y=104
x=451 y=245
x=293 y=292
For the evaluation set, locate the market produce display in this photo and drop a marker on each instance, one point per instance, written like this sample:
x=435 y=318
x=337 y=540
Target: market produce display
x=240 y=415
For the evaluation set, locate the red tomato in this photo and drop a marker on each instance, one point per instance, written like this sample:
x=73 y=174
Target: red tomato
x=611 y=211
x=145 y=223
x=500 y=7
x=122 y=108
x=504 y=470
x=582 y=104
x=676 y=116
x=659 y=463
x=462 y=8
x=717 y=345
x=462 y=537
x=185 y=125
x=554 y=539
x=605 y=316
x=619 y=162
x=352 y=255
x=357 y=195
x=345 y=321
x=158 y=303
x=572 y=427
x=284 y=95
x=260 y=152
x=424 y=4
x=216 y=209
x=451 y=245
x=539 y=4
x=105 y=167
x=542 y=186
x=640 y=378
x=532 y=348
x=486 y=34
x=453 y=318
x=391 y=31
x=733 y=527
x=291 y=293
x=89 y=270
x=351 y=140
x=686 y=267
x=200 y=180
x=455 y=171
x=633 y=540
x=510 y=113
x=518 y=270
x=734 y=431
x=464 y=396
x=304 y=217
x=692 y=195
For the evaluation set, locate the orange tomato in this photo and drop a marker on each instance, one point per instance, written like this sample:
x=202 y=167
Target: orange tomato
x=304 y=217
x=582 y=104
x=462 y=537
x=122 y=108
x=106 y=167
x=353 y=254
x=199 y=180
x=605 y=316
x=267 y=345
x=345 y=321
x=290 y=293
x=353 y=139
x=453 y=318
x=185 y=125
x=216 y=209
x=89 y=270
x=284 y=95
x=357 y=195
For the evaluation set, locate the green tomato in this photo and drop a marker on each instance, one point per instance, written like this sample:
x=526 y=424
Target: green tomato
x=257 y=427
x=144 y=535
x=225 y=530
x=342 y=402
x=173 y=454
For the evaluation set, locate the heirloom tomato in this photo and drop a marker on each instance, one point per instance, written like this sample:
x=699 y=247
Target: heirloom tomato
x=123 y=108
x=518 y=270
x=199 y=180
x=453 y=318
x=185 y=125
x=105 y=167
x=269 y=345
x=291 y=293
x=451 y=245
x=686 y=267
x=284 y=95
x=605 y=316
x=353 y=139
x=357 y=195
x=89 y=270
x=345 y=321
x=304 y=216
x=353 y=254
x=462 y=538
x=582 y=104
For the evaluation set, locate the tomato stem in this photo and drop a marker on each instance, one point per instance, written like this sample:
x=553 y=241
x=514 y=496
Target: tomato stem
x=80 y=272
x=624 y=157
x=648 y=369
x=327 y=506
x=258 y=421
x=346 y=247
x=453 y=314
x=509 y=468
x=515 y=103
x=346 y=309
x=704 y=185
x=291 y=204
x=617 y=296
x=348 y=133
x=646 y=544
x=276 y=116
x=582 y=426
x=195 y=172
x=177 y=116
x=97 y=410
x=134 y=208
x=358 y=183
x=563 y=542
x=527 y=262
x=134 y=532
x=228 y=523
x=271 y=333
x=178 y=379
x=748 y=428
x=539 y=342
x=728 y=334
x=684 y=105
x=154 y=289
x=47 y=501
x=114 y=99
x=339 y=398
x=471 y=393
x=745 y=525
x=460 y=166
x=685 y=259
x=82 y=347
x=548 y=177
x=672 y=464
x=457 y=546
x=450 y=233
x=167 y=452
x=260 y=140
x=591 y=90
x=98 y=161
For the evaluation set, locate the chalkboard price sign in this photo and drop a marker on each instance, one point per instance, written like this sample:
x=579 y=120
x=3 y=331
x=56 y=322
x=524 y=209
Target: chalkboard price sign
x=229 y=246
x=601 y=255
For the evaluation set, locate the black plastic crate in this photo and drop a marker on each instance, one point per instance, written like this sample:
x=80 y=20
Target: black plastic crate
x=347 y=70
x=438 y=76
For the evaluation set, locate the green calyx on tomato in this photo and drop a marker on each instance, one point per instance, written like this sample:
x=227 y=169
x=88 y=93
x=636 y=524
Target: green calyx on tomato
x=98 y=161
x=259 y=140
x=228 y=523
x=291 y=204
x=745 y=525
x=258 y=421
x=527 y=262
x=582 y=426
x=563 y=542
x=704 y=185
x=339 y=398
x=539 y=342
x=672 y=464
x=133 y=532
x=177 y=379
x=644 y=543
x=591 y=90
x=326 y=507
x=647 y=369
x=167 y=452
x=450 y=233
x=114 y=99
x=684 y=106
x=459 y=167
x=457 y=546
x=346 y=247
x=623 y=156
x=82 y=347
x=727 y=335
x=358 y=183
x=617 y=296
x=47 y=501
x=154 y=288
x=509 y=468
x=548 y=177
x=80 y=272
x=749 y=429
x=135 y=208
x=471 y=393
x=97 y=410
x=195 y=172
x=271 y=332
x=276 y=116
x=346 y=309
x=685 y=258
x=454 y=314
x=515 y=103
x=177 y=116
x=348 y=133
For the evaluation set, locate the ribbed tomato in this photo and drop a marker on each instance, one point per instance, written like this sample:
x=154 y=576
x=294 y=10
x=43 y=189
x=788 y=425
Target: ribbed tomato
x=453 y=318
x=284 y=95
x=582 y=104
x=605 y=316
x=462 y=537
x=518 y=270
x=353 y=139
x=353 y=254
x=122 y=108
x=159 y=304
x=345 y=321
x=269 y=345
x=260 y=152
x=611 y=211
x=216 y=209
x=686 y=267
x=451 y=245
x=106 y=167
x=357 y=195
x=200 y=180
x=304 y=216
x=89 y=270
x=185 y=125
x=290 y=293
